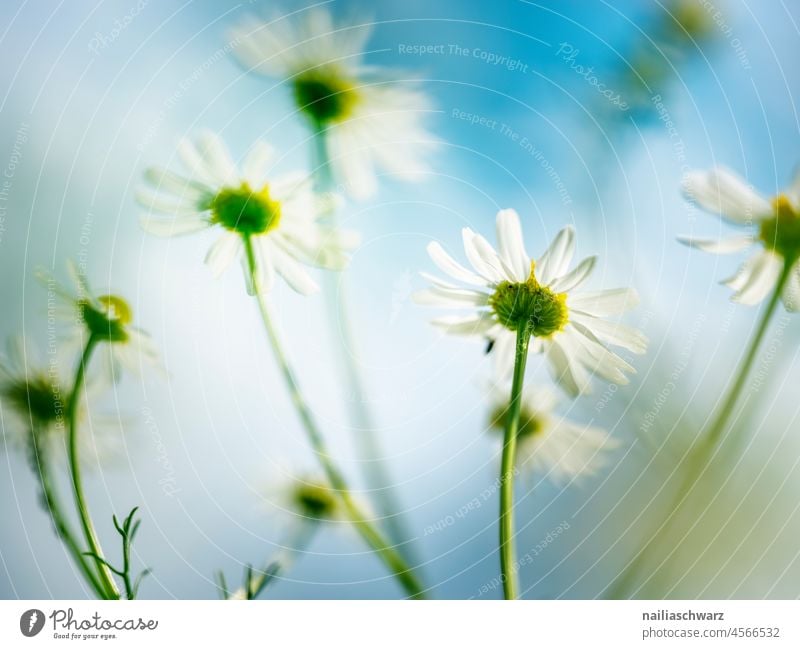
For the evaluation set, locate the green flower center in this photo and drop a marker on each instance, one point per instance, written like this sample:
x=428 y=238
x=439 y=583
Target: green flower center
x=246 y=211
x=315 y=500
x=781 y=233
x=325 y=96
x=530 y=423
x=515 y=303
x=107 y=319
x=37 y=397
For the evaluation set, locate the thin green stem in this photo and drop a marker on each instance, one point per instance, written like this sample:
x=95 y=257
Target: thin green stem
x=375 y=540
x=371 y=456
x=57 y=516
x=719 y=425
x=700 y=458
x=109 y=586
x=508 y=568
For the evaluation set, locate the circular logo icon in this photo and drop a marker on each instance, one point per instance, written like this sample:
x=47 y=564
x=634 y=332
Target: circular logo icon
x=31 y=622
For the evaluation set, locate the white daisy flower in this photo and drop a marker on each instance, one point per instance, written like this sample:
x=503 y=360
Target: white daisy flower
x=275 y=222
x=548 y=443
x=104 y=318
x=369 y=120
x=506 y=289
x=33 y=401
x=774 y=224
x=309 y=497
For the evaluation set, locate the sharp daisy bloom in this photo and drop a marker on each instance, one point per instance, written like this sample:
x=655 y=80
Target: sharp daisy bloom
x=269 y=222
x=547 y=443
x=106 y=319
x=505 y=289
x=773 y=225
x=369 y=120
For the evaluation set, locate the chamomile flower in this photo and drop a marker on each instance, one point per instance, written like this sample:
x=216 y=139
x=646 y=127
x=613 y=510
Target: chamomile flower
x=369 y=120
x=106 y=319
x=273 y=220
x=507 y=290
x=310 y=498
x=548 y=443
x=33 y=402
x=773 y=224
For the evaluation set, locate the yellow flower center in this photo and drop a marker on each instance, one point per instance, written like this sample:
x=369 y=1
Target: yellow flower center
x=517 y=303
x=107 y=319
x=325 y=95
x=243 y=210
x=781 y=233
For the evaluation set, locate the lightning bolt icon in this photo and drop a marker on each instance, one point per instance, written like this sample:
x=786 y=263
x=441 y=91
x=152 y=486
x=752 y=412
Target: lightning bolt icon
x=32 y=621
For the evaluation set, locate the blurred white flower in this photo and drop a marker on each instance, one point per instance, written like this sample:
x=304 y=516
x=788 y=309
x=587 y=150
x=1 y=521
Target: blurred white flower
x=309 y=497
x=773 y=223
x=369 y=119
x=509 y=289
x=107 y=320
x=548 y=443
x=275 y=221
x=33 y=401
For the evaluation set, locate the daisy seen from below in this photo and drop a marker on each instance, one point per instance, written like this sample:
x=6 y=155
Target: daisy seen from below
x=271 y=224
x=365 y=120
x=35 y=403
x=310 y=501
x=773 y=225
x=521 y=304
x=506 y=292
x=273 y=227
x=549 y=444
x=99 y=322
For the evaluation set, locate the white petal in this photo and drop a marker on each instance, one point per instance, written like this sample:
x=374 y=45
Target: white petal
x=512 y=245
x=599 y=360
x=564 y=367
x=290 y=269
x=604 y=303
x=484 y=261
x=450 y=297
x=157 y=202
x=256 y=164
x=504 y=352
x=173 y=227
x=194 y=162
x=720 y=246
x=756 y=278
x=722 y=192
x=575 y=277
x=614 y=333
x=223 y=252
x=556 y=259
x=183 y=188
x=451 y=267
x=216 y=158
x=471 y=325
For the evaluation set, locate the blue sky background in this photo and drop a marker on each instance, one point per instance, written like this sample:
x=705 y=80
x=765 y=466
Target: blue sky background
x=81 y=121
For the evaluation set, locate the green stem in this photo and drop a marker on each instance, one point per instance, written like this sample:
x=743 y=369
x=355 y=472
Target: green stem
x=699 y=460
x=109 y=586
x=374 y=539
x=718 y=428
x=57 y=516
x=508 y=569
x=370 y=453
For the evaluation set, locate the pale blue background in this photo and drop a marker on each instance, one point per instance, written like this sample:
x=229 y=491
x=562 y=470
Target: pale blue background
x=93 y=121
